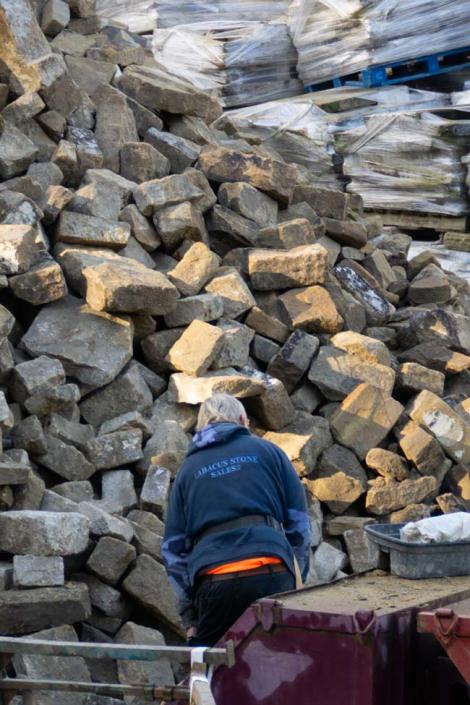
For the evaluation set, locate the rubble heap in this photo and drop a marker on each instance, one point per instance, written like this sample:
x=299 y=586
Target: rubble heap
x=147 y=260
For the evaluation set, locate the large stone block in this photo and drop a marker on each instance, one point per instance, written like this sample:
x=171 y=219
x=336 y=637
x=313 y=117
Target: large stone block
x=275 y=178
x=365 y=418
x=337 y=373
x=38 y=571
x=312 y=309
x=303 y=440
x=82 y=229
x=195 y=351
x=145 y=672
x=129 y=287
x=157 y=90
x=448 y=427
x=129 y=392
x=93 y=347
x=339 y=480
x=43 y=533
x=115 y=449
x=277 y=269
x=148 y=585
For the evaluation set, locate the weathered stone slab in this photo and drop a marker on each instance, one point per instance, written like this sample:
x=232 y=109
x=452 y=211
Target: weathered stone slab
x=145 y=672
x=204 y=307
x=149 y=586
x=195 y=351
x=235 y=344
x=43 y=283
x=303 y=440
x=277 y=269
x=176 y=223
x=38 y=571
x=153 y=195
x=115 y=449
x=413 y=378
x=385 y=497
x=448 y=427
x=156 y=491
x=293 y=359
x=339 y=480
x=128 y=392
x=387 y=464
x=367 y=348
x=234 y=292
x=43 y=533
x=26 y=611
x=194 y=270
x=275 y=178
x=337 y=373
x=157 y=90
x=129 y=287
x=92 y=346
x=66 y=460
x=191 y=390
x=81 y=229
x=250 y=203
x=104 y=524
x=18 y=248
x=110 y=559
x=365 y=289
x=325 y=202
x=365 y=418
x=312 y=309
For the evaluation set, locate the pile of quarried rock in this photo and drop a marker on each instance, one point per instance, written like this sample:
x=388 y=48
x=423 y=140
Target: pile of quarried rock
x=148 y=260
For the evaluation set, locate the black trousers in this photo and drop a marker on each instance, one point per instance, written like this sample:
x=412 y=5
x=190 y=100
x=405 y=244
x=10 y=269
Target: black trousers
x=220 y=603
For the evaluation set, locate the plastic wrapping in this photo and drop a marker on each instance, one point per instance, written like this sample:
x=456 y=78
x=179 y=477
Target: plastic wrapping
x=242 y=63
x=341 y=38
x=139 y=16
x=173 y=13
x=406 y=162
x=296 y=129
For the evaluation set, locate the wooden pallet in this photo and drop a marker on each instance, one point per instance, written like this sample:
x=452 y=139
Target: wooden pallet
x=402 y=71
x=422 y=221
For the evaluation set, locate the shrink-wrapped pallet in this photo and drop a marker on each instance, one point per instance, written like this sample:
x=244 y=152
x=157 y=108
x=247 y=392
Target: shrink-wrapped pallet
x=406 y=162
x=332 y=38
x=341 y=37
x=138 y=15
x=242 y=63
x=296 y=128
x=173 y=13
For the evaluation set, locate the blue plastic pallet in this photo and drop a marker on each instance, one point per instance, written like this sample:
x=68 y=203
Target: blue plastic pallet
x=400 y=71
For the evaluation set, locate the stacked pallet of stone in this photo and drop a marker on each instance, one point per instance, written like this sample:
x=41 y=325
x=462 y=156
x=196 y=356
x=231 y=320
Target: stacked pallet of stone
x=406 y=161
x=297 y=129
x=335 y=39
x=138 y=16
x=244 y=63
x=184 y=12
x=149 y=259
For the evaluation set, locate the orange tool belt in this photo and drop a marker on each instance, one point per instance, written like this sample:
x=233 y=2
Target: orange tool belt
x=242 y=566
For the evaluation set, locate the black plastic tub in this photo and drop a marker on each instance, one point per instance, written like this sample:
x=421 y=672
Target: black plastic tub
x=417 y=560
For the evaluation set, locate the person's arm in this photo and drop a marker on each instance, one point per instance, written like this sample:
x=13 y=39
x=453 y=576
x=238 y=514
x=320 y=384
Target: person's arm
x=297 y=520
x=175 y=550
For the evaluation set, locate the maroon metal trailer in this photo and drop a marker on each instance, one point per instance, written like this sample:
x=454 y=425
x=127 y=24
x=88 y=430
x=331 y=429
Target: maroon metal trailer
x=354 y=642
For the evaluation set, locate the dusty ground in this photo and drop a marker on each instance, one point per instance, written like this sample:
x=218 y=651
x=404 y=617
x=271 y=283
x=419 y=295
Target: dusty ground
x=378 y=592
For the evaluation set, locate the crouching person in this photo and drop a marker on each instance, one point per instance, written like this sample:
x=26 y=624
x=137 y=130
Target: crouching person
x=237 y=527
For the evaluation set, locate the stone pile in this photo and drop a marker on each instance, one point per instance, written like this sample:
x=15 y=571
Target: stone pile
x=147 y=260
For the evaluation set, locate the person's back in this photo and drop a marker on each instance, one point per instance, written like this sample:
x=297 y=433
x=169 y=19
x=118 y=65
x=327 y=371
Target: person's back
x=237 y=514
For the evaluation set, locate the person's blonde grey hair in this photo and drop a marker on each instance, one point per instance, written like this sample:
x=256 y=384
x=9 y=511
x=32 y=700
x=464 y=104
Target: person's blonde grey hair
x=221 y=408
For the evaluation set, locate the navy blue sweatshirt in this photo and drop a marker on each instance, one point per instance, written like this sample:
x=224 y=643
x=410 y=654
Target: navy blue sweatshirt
x=229 y=473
